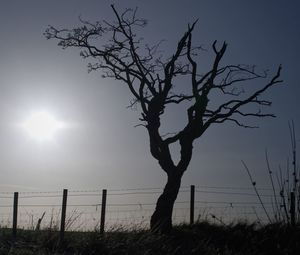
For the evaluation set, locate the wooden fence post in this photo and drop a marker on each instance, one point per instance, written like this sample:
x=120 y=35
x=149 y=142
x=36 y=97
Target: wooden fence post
x=192 y=204
x=293 y=209
x=15 y=216
x=103 y=207
x=63 y=216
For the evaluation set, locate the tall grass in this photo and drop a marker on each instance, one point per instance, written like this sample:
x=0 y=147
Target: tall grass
x=199 y=238
x=285 y=187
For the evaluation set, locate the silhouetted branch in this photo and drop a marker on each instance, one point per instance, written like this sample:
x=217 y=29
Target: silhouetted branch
x=215 y=96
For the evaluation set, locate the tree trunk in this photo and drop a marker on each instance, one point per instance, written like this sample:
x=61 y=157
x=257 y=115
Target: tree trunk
x=161 y=220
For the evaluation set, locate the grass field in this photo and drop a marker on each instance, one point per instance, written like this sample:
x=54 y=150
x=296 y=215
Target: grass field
x=201 y=238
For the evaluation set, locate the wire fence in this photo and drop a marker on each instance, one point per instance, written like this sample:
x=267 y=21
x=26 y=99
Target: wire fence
x=132 y=208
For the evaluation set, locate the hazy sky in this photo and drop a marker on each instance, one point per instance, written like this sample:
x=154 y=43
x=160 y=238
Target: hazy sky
x=101 y=147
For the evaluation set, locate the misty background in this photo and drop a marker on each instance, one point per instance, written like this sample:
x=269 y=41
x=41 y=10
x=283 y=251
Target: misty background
x=102 y=148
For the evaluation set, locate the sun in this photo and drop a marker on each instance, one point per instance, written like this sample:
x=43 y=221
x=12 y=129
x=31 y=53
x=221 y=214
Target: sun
x=42 y=125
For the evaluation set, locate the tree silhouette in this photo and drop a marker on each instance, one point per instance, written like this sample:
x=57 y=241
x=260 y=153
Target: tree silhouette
x=216 y=96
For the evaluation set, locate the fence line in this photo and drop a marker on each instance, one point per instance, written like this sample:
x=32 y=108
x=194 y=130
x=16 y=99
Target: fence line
x=136 y=189
x=202 y=207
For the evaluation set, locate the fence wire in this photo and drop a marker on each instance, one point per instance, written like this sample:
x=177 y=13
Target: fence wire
x=132 y=207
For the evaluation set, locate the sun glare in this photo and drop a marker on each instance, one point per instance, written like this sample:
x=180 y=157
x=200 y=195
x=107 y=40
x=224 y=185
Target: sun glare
x=42 y=125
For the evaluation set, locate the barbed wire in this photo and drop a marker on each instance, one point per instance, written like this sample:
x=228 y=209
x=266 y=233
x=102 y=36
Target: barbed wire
x=234 y=193
x=82 y=193
x=229 y=208
x=151 y=210
x=231 y=187
x=136 y=189
x=231 y=203
x=94 y=194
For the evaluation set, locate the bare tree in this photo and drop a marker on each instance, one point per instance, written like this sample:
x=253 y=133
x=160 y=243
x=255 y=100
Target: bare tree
x=150 y=78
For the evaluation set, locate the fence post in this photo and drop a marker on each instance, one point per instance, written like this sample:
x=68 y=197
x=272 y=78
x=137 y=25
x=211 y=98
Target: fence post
x=63 y=216
x=293 y=209
x=15 y=215
x=192 y=204
x=103 y=207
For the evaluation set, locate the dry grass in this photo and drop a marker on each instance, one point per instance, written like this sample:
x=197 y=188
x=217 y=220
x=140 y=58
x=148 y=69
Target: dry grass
x=200 y=238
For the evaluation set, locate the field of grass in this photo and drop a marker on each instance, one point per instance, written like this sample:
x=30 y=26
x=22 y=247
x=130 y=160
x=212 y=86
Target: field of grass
x=201 y=238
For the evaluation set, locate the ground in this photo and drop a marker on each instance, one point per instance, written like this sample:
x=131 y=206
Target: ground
x=200 y=238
